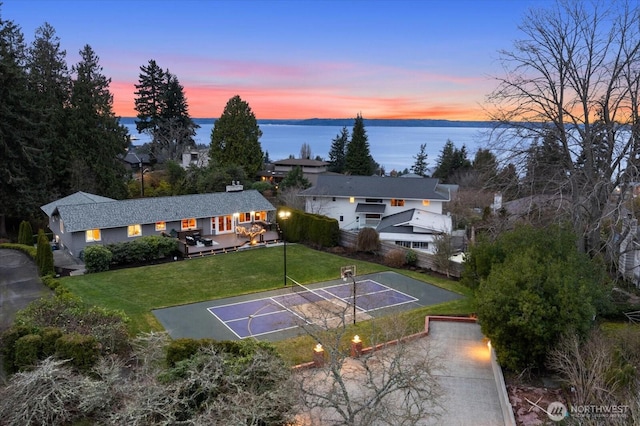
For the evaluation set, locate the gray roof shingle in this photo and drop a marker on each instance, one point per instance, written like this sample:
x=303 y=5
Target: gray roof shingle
x=75 y=198
x=115 y=214
x=377 y=187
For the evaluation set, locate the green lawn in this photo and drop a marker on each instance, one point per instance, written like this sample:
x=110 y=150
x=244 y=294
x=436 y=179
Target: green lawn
x=137 y=291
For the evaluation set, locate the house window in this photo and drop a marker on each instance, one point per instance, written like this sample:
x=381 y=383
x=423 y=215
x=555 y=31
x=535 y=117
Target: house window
x=395 y=202
x=161 y=226
x=61 y=226
x=333 y=198
x=404 y=244
x=261 y=216
x=313 y=198
x=134 y=230
x=341 y=218
x=352 y=200
x=93 y=235
x=421 y=245
x=372 y=200
x=426 y=202
x=244 y=217
x=187 y=224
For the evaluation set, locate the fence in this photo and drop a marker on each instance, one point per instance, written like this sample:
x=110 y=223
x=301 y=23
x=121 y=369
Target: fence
x=424 y=260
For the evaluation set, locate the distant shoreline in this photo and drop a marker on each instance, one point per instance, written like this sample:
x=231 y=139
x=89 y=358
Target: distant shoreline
x=348 y=122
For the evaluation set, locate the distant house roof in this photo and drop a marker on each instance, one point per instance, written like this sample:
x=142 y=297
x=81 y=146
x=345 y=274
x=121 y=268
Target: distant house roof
x=74 y=199
x=377 y=187
x=300 y=162
x=115 y=214
x=408 y=220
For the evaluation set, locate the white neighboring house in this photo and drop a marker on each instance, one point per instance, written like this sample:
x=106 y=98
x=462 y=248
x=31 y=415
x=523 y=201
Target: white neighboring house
x=195 y=157
x=404 y=211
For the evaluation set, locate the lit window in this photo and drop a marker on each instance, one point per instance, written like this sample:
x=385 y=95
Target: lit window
x=161 y=226
x=244 y=217
x=93 y=235
x=261 y=216
x=397 y=202
x=426 y=202
x=188 y=224
x=134 y=230
x=352 y=200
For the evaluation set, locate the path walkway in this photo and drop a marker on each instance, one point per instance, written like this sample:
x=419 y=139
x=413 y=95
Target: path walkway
x=19 y=285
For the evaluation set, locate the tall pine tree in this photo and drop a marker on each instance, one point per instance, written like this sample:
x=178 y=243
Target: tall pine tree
x=149 y=101
x=96 y=130
x=235 y=138
x=338 y=151
x=358 y=160
x=21 y=149
x=176 y=128
x=420 y=166
x=49 y=81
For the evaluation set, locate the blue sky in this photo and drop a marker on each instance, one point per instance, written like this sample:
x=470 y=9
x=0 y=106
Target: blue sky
x=295 y=59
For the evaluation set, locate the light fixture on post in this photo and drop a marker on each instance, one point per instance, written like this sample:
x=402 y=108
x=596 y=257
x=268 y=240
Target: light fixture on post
x=284 y=215
x=318 y=355
x=347 y=272
x=356 y=346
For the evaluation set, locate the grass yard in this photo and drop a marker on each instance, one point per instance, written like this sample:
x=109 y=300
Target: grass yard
x=137 y=291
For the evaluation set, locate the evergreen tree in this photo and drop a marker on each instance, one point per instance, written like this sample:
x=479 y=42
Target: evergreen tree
x=49 y=81
x=358 y=160
x=25 y=233
x=96 y=131
x=295 y=179
x=420 y=166
x=176 y=128
x=235 y=138
x=338 y=151
x=44 y=255
x=452 y=161
x=21 y=147
x=149 y=101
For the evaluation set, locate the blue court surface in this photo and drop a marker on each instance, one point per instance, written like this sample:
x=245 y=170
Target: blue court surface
x=279 y=314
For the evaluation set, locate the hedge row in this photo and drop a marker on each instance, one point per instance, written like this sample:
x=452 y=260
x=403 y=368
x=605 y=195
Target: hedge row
x=312 y=229
x=144 y=249
x=24 y=346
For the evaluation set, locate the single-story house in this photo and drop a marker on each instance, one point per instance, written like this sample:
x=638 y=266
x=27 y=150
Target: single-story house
x=83 y=219
x=405 y=211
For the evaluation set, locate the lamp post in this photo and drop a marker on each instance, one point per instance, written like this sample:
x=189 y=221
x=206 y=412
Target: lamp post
x=349 y=274
x=284 y=215
x=141 y=180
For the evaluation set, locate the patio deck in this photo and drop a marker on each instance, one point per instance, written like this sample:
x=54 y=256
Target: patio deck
x=224 y=243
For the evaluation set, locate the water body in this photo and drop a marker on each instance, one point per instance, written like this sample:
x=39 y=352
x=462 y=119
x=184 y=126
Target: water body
x=393 y=147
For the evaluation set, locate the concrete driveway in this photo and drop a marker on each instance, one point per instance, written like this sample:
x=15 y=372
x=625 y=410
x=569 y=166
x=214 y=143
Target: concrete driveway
x=19 y=285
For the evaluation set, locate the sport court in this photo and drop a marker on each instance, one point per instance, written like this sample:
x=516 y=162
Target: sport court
x=280 y=314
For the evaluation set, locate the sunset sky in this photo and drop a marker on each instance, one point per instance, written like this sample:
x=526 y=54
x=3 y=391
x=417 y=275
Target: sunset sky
x=295 y=59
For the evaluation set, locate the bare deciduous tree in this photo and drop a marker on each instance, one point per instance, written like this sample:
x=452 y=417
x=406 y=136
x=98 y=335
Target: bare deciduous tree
x=575 y=74
x=394 y=385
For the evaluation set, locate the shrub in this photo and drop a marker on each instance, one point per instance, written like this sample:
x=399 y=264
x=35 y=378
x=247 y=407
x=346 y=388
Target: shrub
x=25 y=233
x=395 y=258
x=28 y=351
x=80 y=349
x=368 y=240
x=411 y=258
x=97 y=258
x=49 y=337
x=182 y=349
x=44 y=255
x=8 y=341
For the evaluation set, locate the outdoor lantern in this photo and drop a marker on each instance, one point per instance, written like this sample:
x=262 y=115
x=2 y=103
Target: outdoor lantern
x=356 y=346
x=318 y=355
